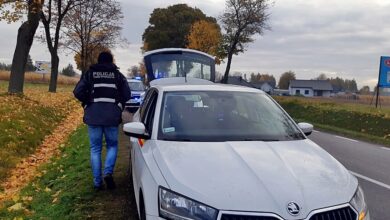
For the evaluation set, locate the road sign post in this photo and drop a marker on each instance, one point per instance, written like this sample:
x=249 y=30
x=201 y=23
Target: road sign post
x=383 y=78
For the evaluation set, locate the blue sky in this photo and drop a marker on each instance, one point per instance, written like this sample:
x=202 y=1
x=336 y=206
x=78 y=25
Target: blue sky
x=339 y=38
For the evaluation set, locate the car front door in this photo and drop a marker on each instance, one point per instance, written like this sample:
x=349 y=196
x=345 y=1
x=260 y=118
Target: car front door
x=146 y=116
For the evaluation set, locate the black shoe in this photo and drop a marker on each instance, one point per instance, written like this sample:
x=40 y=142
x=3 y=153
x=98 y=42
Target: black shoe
x=109 y=181
x=98 y=188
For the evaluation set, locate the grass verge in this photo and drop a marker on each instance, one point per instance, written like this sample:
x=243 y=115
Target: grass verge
x=352 y=120
x=62 y=190
x=26 y=119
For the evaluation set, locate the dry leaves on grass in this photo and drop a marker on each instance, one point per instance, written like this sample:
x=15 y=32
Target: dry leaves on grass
x=27 y=169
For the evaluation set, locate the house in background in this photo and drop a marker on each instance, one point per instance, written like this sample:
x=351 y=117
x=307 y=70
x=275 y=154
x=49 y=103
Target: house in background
x=239 y=81
x=266 y=86
x=310 y=88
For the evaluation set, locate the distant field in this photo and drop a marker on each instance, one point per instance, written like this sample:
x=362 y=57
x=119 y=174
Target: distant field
x=357 y=120
x=39 y=78
x=26 y=119
x=363 y=99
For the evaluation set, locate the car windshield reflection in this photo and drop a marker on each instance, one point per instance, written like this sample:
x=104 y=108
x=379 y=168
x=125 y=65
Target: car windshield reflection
x=224 y=116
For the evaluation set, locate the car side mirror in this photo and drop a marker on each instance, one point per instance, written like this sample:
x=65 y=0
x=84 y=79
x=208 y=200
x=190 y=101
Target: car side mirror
x=135 y=129
x=306 y=128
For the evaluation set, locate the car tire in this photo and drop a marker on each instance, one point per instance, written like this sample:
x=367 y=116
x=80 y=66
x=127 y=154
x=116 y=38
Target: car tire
x=142 y=212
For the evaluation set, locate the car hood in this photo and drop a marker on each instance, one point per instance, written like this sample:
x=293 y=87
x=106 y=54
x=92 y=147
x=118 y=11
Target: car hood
x=255 y=176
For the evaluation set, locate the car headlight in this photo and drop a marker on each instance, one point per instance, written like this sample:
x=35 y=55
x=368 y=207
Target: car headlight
x=359 y=203
x=178 y=207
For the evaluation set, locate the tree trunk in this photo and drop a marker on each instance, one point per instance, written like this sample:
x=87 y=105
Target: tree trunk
x=229 y=63
x=54 y=71
x=24 y=41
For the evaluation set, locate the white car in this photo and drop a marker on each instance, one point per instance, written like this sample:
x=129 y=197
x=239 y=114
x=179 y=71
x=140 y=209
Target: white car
x=208 y=151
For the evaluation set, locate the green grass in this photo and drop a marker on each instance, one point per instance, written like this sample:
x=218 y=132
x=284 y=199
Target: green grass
x=353 y=120
x=25 y=120
x=64 y=191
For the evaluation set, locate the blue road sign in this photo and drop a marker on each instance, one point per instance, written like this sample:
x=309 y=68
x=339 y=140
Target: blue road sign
x=384 y=73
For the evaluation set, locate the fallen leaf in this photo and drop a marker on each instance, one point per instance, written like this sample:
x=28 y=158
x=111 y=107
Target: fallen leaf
x=15 y=198
x=57 y=193
x=17 y=207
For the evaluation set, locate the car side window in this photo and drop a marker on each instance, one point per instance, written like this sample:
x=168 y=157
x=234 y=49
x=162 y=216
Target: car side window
x=145 y=103
x=149 y=112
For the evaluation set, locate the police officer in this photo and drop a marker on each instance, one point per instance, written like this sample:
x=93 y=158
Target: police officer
x=103 y=92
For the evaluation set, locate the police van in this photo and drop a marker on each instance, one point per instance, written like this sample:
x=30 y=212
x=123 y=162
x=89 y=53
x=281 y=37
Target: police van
x=137 y=88
x=179 y=62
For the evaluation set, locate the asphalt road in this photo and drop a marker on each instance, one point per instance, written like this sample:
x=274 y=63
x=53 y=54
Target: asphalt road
x=369 y=162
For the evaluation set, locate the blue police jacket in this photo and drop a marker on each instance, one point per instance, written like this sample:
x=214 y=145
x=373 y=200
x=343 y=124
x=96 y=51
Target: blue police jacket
x=103 y=92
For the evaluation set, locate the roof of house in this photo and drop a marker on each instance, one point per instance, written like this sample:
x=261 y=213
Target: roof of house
x=238 y=80
x=323 y=85
x=261 y=83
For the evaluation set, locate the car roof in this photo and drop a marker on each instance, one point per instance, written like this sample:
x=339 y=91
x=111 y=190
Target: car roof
x=199 y=85
x=164 y=50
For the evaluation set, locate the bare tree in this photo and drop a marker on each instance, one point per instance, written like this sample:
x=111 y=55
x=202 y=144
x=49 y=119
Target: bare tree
x=13 y=10
x=322 y=76
x=52 y=18
x=94 y=24
x=133 y=71
x=241 y=20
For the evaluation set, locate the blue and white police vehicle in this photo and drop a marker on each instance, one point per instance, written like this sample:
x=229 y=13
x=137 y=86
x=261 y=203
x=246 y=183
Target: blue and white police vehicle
x=137 y=88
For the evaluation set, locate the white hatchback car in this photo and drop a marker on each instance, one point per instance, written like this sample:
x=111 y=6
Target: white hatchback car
x=220 y=152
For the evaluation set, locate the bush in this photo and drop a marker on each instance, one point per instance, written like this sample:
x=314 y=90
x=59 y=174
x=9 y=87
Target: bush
x=68 y=71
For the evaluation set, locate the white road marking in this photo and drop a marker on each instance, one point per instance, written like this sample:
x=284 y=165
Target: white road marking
x=386 y=148
x=349 y=139
x=371 y=180
x=315 y=131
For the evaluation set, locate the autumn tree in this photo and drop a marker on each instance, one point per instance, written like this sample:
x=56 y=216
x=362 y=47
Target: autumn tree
x=205 y=36
x=365 y=90
x=169 y=27
x=262 y=78
x=285 y=78
x=12 y=11
x=52 y=16
x=134 y=71
x=91 y=26
x=241 y=21
x=92 y=58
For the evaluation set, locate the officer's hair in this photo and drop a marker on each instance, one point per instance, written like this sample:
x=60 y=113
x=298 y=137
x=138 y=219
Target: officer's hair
x=105 y=57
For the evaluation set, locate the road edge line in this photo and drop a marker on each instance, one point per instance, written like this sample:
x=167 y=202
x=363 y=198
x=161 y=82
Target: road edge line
x=371 y=180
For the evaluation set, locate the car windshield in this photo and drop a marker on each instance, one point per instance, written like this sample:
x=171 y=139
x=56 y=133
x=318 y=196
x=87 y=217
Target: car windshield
x=224 y=116
x=181 y=65
x=137 y=86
